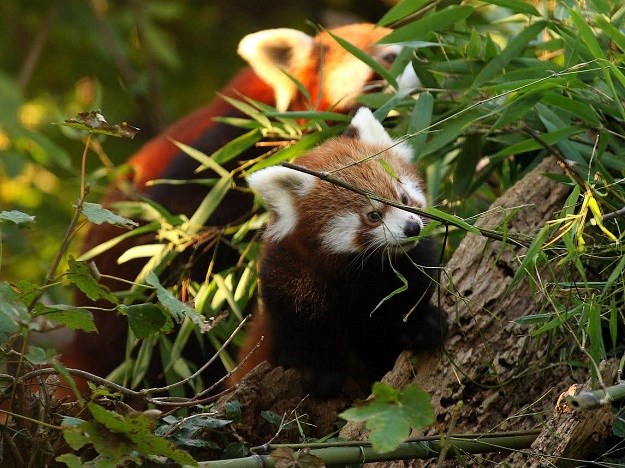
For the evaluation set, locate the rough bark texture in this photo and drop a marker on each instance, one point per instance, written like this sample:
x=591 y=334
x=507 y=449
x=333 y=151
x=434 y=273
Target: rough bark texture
x=490 y=363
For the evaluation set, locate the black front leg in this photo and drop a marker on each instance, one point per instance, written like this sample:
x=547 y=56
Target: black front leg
x=318 y=350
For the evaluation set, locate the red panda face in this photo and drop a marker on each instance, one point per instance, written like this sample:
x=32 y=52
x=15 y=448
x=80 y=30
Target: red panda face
x=332 y=76
x=319 y=216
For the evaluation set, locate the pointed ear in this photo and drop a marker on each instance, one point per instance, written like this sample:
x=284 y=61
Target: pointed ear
x=273 y=52
x=280 y=187
x=367 y=129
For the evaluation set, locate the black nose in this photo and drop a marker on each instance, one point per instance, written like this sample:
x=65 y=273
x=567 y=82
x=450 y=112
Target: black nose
x=412 y=228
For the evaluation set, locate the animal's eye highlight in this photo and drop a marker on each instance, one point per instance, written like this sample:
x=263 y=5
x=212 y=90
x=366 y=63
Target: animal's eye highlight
x=374 y=216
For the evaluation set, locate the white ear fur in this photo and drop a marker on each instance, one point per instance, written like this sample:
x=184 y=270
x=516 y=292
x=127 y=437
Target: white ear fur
x=372 y=132
x=273 y=52
x=279 y=187
x=369 y=129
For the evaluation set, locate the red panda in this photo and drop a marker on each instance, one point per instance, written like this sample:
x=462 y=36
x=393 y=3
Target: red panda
x=332 y=78
x=331 y=260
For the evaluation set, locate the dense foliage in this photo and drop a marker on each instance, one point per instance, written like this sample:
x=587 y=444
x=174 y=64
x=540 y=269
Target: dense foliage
x=504 y=85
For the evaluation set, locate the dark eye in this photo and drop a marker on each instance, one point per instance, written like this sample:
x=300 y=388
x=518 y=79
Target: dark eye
x=374 y=216
x=404 y=199
x=390 y=57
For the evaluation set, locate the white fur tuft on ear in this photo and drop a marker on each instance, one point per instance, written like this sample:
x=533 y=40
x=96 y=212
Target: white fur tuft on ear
x=369 y=129
x=372 y=132
x=279 y=187
x=271 y=53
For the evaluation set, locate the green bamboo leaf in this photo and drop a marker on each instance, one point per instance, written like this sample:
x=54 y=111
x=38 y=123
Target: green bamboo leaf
x=203 y=159
x=433 y=22
x=235 y=147
x=452 y=220
x=296 y=149
x=401 y=10
x=209 y=204
x=614 y=33
x=586 y=34
x=365 y=58
x=513 y=50
x=516 y=6
x=311 y=115
x=474 y=46
x=420 y=120
x=597 y=349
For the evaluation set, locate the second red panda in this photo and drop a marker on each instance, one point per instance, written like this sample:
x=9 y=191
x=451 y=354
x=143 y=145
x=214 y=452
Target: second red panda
x=332 y=259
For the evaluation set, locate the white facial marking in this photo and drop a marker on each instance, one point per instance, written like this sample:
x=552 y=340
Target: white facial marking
x=340 y=232
x=408 y=79
x=414 y=190
x=392 y=231
x=280 y=187
x=343 y=84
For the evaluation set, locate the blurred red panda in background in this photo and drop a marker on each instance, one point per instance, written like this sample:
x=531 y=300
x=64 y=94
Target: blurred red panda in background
x=277 y=60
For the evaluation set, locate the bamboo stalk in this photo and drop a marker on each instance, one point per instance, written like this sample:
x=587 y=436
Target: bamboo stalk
x=424 y=448
x=591 y=400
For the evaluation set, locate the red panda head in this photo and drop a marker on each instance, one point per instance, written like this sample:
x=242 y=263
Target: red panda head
x=331 y=75
x=322 y=218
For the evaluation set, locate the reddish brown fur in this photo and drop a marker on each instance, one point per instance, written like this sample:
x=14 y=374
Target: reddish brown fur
x=315 y=209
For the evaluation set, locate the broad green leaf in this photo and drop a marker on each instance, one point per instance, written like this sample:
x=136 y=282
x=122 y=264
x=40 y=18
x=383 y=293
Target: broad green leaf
x=385 y=393
x=38 y=356
x=388 y=429
x=144 y=319
x=16 y=217
x=82 y=276
x=94 y=122
x=139 y=429
x=430 y=23
x=417 y=406
x=69 y=316
x=178 y=310
x=13 y=313
x=513 y=49
x=95 y=213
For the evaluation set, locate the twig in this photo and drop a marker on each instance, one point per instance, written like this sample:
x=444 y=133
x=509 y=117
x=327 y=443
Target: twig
x=489 y=233
x=614 y=214
x=148 y=391
x=85 y=375
x=37 y=46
